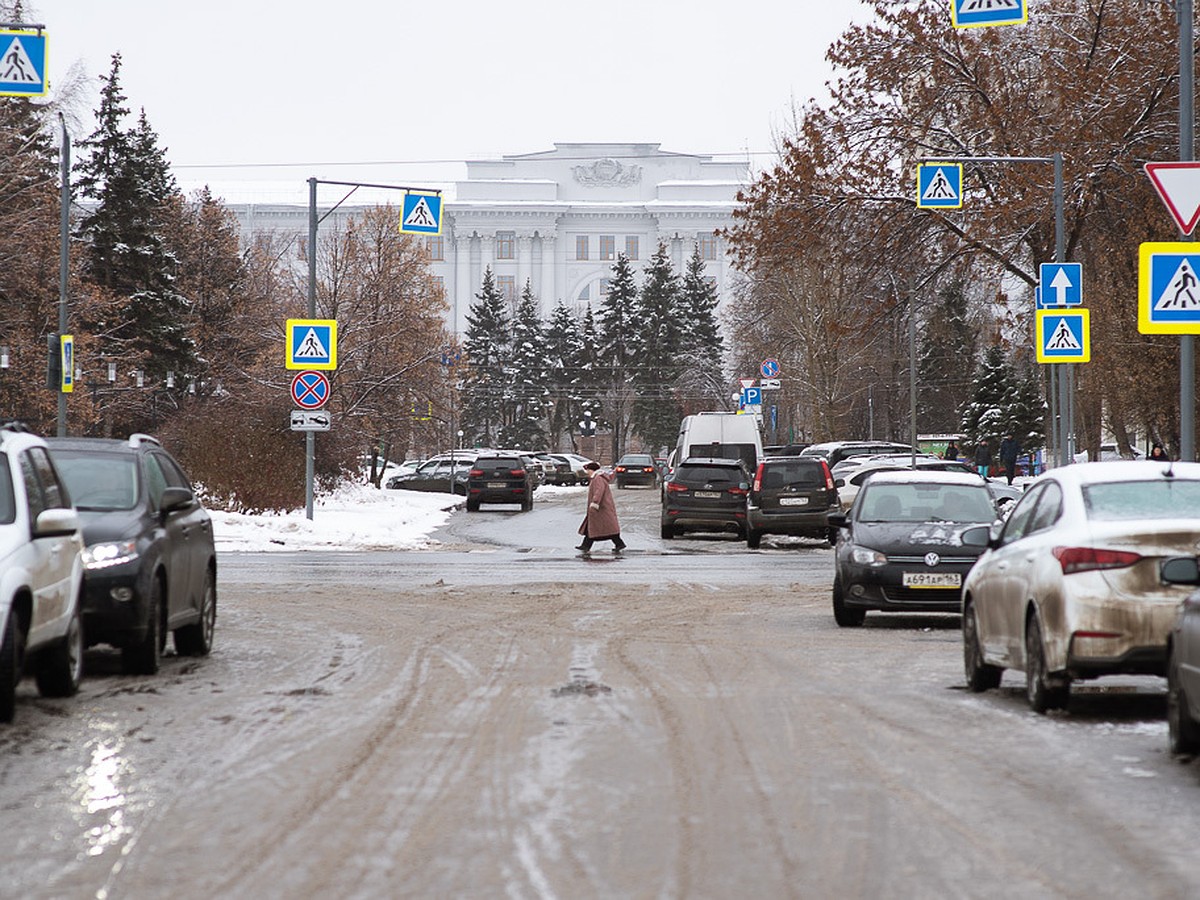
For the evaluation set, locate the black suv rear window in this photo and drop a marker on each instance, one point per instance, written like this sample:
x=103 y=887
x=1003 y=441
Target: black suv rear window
x=708 y=473
x=801 y=474
x=499 y=462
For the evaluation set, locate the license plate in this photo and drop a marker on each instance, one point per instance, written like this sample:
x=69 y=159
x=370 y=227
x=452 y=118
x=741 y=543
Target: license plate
x=932 y=579
x=708 y=495
x=793 y=501
x=496 y=484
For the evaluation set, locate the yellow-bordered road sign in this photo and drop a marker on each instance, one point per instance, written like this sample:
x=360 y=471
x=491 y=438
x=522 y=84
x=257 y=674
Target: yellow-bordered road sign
x=1063 y=336
x=1169 y=287
x=311 y=344
x=22 y=63
x=66 y=349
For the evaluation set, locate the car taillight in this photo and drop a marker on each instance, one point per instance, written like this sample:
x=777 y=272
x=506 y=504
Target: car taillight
x=740 y=491
x=517 y=473
x=1088 y=559
x=672 y=486
x=476 y=473
x=828 y=475
x=647 y=468
x=619 y=469
x=758 y=473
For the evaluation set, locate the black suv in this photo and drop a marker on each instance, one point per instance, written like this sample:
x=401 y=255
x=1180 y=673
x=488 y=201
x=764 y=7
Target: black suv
x=791 y=495
x=499 y=478
x=705 y=495
x=149 y=564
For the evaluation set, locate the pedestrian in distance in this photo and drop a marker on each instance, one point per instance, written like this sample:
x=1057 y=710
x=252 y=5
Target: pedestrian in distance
x=1158 y=452
x=983 y=457
x=951 y=451
x=1010 y=449
x=600 y=521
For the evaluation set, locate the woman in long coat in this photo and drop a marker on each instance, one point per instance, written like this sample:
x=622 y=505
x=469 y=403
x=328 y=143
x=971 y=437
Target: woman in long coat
x=600 y=523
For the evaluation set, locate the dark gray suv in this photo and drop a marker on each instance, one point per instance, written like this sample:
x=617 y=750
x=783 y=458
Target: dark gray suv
x=791 y=495
x=705 y=495
x=500 y=478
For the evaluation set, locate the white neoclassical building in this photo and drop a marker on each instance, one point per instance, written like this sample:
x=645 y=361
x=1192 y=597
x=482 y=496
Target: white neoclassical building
x=558 y=218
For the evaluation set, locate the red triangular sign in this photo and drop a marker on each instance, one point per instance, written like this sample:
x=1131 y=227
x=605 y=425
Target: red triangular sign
x=1178 y=183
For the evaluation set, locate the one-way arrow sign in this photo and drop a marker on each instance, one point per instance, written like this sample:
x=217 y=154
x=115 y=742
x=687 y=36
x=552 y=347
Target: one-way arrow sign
x=1178 y=183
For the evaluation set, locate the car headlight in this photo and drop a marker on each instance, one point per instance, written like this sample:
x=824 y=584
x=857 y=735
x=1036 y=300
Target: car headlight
x=110 y=553
x=865 y=556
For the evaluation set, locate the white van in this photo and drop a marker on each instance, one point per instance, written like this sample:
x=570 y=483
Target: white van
x=719 y=435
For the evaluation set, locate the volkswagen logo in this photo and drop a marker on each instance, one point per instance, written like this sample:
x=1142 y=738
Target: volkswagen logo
x=932 y=559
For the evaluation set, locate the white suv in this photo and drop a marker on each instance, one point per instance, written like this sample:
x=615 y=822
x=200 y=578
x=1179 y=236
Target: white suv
x=40 y=573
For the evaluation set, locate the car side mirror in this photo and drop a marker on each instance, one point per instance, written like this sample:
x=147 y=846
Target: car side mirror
x=56 y=522
x=838 y=520
x=977 y=536
x=1180 y=570
x=175 y=498
x=839 y=482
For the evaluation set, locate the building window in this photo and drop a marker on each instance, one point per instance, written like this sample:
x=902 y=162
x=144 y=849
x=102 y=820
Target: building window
x=631 y=247
x=605 y=286
x=708 y=245
x=585 y=295
x=508 y=287
x=581 y=246
x=506 y=245
x=439 y=285
x=608 y=246
x=436 y=247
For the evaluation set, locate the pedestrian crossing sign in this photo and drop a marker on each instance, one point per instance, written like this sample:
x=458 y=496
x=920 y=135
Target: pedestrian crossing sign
x=939 y=185
x=421 y=213
x=972 y=13
x=311 y=344
x=1169 y=287
x=1063 y=336
x=22 y=63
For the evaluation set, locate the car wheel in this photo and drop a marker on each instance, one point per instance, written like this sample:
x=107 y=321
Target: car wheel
x=10 y=666
x=753 y=538
x=980 y=675
x=842 y=614
x=472 y=505
x=668 y=532
x=196 y=639
x=1041 y=690
x=1183 y=731
x=144 y=657
x=60 y=669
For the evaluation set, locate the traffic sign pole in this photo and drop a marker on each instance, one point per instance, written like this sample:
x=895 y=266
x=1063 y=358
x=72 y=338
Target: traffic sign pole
x=1187 y=151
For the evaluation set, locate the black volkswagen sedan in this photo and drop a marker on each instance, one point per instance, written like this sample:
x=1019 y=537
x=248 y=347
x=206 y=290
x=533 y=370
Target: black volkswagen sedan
x=900 y=549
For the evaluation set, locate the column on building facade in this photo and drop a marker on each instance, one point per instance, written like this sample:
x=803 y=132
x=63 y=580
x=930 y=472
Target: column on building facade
x=462 y=282
x=487 y=256
x=547 y=290
x=524 y=259
x=678 y=253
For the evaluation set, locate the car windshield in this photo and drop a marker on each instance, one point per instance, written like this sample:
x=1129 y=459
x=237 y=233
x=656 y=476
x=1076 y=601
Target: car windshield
x=8 y=505
x=1168 y=498
x=926 y=503
x=99 y=481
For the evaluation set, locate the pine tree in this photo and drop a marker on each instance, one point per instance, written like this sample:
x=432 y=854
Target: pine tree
x=593 y=381
x=946 y=355
x=702 y=381
x=564 y=354
x=656 y=412
x=488 y=353
x=619 y=350
x=526 y=425
x=1004 y=402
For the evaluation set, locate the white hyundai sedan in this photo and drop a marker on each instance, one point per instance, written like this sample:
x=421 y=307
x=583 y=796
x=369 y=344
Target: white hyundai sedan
x=1070 y=587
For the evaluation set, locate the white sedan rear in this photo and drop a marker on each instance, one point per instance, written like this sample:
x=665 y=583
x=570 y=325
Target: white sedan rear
x=1070 y=588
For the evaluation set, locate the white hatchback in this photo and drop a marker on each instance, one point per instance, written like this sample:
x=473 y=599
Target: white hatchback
x=40 y=573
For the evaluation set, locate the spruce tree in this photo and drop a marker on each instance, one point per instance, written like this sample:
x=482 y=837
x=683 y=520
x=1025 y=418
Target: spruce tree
x=620 y=350
x=1004 y=402
x=946 y=360
x=564 y=354
x=526 y=425
x=488 y=353
x=656 y=410
x=702 y=380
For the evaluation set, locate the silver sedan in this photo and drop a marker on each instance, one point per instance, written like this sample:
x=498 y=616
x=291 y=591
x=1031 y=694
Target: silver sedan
x=1069 y=587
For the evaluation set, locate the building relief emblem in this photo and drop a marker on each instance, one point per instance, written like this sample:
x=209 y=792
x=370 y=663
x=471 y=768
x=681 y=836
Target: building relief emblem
x=607 y=173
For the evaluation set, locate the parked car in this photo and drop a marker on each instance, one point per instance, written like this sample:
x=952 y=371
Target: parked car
x=535 y=466
x=149 y=561
x=849 y=483
x=718 y=435
x=500 y=478
x=558 y=469
x=1183 y=658
x=833 y=452
x=444 y=474
x=1069 y=588
x=41 y=573
x=901 y=549
x=636 y=468
x=705 y=495
x=791 y=495
x=577 y=463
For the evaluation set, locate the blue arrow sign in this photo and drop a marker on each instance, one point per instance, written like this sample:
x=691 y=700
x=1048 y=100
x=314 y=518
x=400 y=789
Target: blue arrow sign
x=972 y=13
x=22 y=64
x=1061 y=285
x=939 y=185
x=421 y=213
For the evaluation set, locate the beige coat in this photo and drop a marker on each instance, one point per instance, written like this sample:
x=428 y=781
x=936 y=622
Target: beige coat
x=601 y=523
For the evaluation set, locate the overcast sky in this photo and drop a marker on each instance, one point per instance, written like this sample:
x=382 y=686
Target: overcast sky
x=299 y=87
